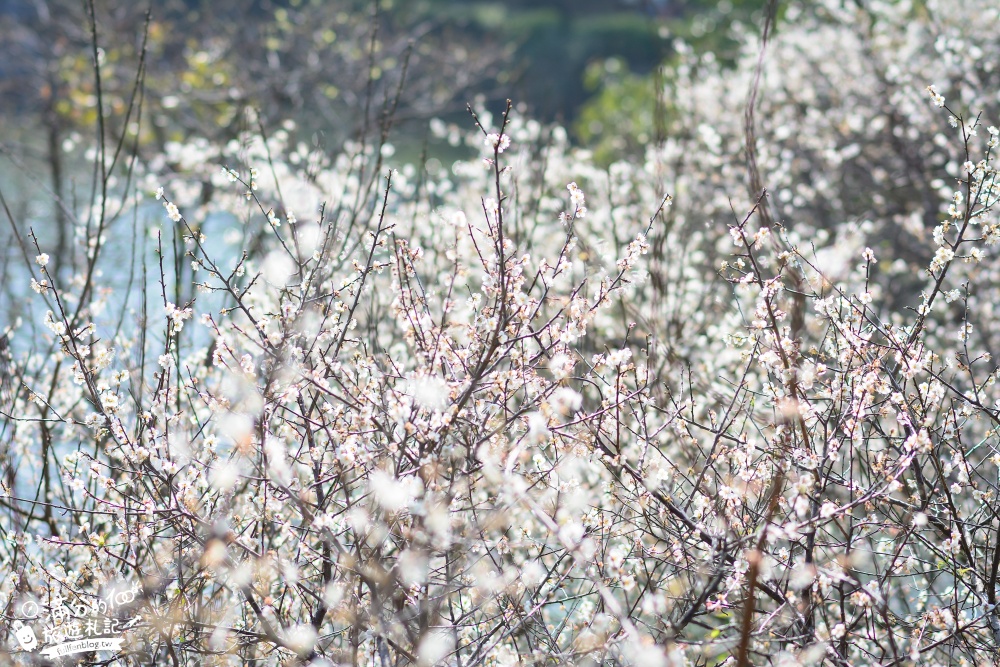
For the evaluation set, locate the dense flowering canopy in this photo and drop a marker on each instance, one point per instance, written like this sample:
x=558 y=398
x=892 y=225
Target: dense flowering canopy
x=544 y=412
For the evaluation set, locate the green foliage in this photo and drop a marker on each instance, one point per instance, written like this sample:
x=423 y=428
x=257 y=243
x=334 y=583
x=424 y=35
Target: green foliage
x=625 y=105
x=619 y=118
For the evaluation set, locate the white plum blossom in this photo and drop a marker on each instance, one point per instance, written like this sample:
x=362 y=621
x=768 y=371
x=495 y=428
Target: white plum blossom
x=172 y=211
x=500 y=142
x=177 y=316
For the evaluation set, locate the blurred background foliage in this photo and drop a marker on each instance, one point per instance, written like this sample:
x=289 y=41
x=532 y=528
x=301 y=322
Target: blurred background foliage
x=341 y=68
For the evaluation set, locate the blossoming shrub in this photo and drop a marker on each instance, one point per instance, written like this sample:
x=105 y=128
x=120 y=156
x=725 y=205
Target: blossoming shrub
x=526 y=410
